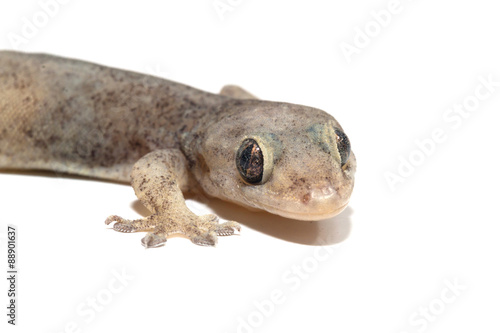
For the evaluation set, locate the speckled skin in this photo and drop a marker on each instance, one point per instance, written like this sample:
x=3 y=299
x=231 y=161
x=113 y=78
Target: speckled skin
x=80 y=118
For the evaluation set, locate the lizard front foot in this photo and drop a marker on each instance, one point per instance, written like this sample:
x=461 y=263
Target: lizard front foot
x=201 y=230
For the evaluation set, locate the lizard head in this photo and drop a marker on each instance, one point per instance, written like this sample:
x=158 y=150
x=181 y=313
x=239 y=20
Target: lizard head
x=290 y=160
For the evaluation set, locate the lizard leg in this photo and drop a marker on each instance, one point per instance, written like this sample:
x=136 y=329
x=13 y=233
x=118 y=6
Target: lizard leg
x=158 y=179
x=236 y=92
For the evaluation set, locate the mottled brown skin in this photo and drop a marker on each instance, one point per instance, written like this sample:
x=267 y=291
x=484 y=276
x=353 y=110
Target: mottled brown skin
x=165 y=138
x=71 y=116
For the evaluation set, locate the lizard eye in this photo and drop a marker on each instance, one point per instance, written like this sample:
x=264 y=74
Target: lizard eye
x=343 y=146
x=250 y=162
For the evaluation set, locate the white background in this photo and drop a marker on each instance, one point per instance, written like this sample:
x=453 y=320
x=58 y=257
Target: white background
x=391 y=258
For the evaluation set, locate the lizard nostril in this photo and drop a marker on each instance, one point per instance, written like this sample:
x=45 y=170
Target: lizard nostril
x=306 y=198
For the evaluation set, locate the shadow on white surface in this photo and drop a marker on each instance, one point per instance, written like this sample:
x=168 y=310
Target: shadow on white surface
x=326 y=232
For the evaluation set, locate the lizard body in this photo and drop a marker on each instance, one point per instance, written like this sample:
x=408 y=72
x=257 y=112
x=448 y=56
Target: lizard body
x=164 y=138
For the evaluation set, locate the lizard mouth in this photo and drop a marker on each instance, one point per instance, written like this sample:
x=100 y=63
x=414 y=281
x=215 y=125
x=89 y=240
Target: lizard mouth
x=304 y=215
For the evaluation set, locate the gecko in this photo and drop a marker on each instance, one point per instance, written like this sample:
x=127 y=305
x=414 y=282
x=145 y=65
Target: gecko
x=166 y=139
